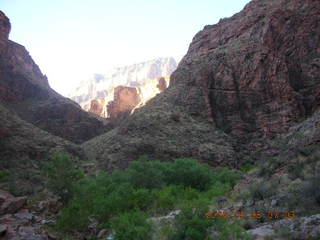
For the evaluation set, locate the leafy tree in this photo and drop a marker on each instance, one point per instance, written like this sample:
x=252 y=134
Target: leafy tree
x=62 y=176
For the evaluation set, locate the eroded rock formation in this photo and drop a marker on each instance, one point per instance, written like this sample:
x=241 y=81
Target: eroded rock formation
x=98 y=107
x=125 y=100
x=145 y=75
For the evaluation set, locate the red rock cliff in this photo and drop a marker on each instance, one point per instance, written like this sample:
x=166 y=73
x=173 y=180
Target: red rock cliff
x=255 y=71
x=25 y=90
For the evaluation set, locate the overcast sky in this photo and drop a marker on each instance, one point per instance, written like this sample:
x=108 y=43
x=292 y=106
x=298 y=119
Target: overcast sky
x=73 y=39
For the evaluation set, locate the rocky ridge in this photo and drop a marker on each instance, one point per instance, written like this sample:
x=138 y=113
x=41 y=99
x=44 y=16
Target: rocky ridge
x=25 y=90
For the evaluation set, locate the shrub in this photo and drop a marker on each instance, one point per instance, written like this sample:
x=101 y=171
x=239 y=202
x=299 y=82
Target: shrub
x=4 y=176
x=73 y=217
x=262 y=190
x=131 y=226
x=218 y=189
x=191 y=222
x=147 y=174
x=189 y=173
x=224 y=175
x=62 y=176
x=295 y=170
x=247 y=168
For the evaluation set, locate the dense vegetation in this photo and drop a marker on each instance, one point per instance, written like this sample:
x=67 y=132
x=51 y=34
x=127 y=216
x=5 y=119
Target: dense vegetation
x=124 y=201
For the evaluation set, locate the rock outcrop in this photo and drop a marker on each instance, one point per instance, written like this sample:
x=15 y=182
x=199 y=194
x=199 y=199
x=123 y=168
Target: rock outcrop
x=18 y=223
x=98 y=107
x=25 y=90
x=249 y=77
x=258 y=70
x=125 y=100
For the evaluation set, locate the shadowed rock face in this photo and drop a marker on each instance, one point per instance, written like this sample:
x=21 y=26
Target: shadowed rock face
x=252 y=75
x=5 y=28
x=97 y=107
x=162 y=84
x=25 y=90
x=258 y=70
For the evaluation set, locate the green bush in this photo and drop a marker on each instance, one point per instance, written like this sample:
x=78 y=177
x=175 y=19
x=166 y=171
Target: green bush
x=147 y=174
x=131 y=226
x=247 y=168
x=226 y=176
x=189 y=173
x=150 y=187
x=62 y=176
x=218 y=189
x=191 y=222
x=73 y=217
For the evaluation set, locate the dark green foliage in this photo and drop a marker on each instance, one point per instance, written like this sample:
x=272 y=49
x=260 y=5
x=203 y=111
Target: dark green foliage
x=189 y=173
x=73 y=217
x=147 y=174
x=131 y=226
x=62 y=176
x=151 y=187
x=4 y=176
x=224 y=175
x=191 y=222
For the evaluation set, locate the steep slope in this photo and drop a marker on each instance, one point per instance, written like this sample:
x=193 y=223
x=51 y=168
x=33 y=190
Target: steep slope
x=24 y=89
x=24 y=148
x=247 y=78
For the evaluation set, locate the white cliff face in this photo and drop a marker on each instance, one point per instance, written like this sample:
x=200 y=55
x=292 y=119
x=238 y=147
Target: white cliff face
x=136 y=75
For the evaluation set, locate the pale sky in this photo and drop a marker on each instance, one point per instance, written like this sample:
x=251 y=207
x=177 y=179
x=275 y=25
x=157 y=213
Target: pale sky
x=71 y=40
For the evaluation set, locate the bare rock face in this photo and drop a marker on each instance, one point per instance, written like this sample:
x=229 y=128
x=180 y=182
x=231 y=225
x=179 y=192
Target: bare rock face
x=125 y=100
x=98 y=107
x=257 y=71
x=144 y=75
x=248 y=77
x=25 y=90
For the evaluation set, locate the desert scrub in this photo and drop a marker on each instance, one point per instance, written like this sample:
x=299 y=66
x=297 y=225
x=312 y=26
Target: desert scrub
x=146 y=189
x=262 y=190
x=192 y=224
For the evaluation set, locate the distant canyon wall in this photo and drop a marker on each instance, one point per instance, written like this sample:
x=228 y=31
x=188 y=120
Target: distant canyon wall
x=123 y=89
